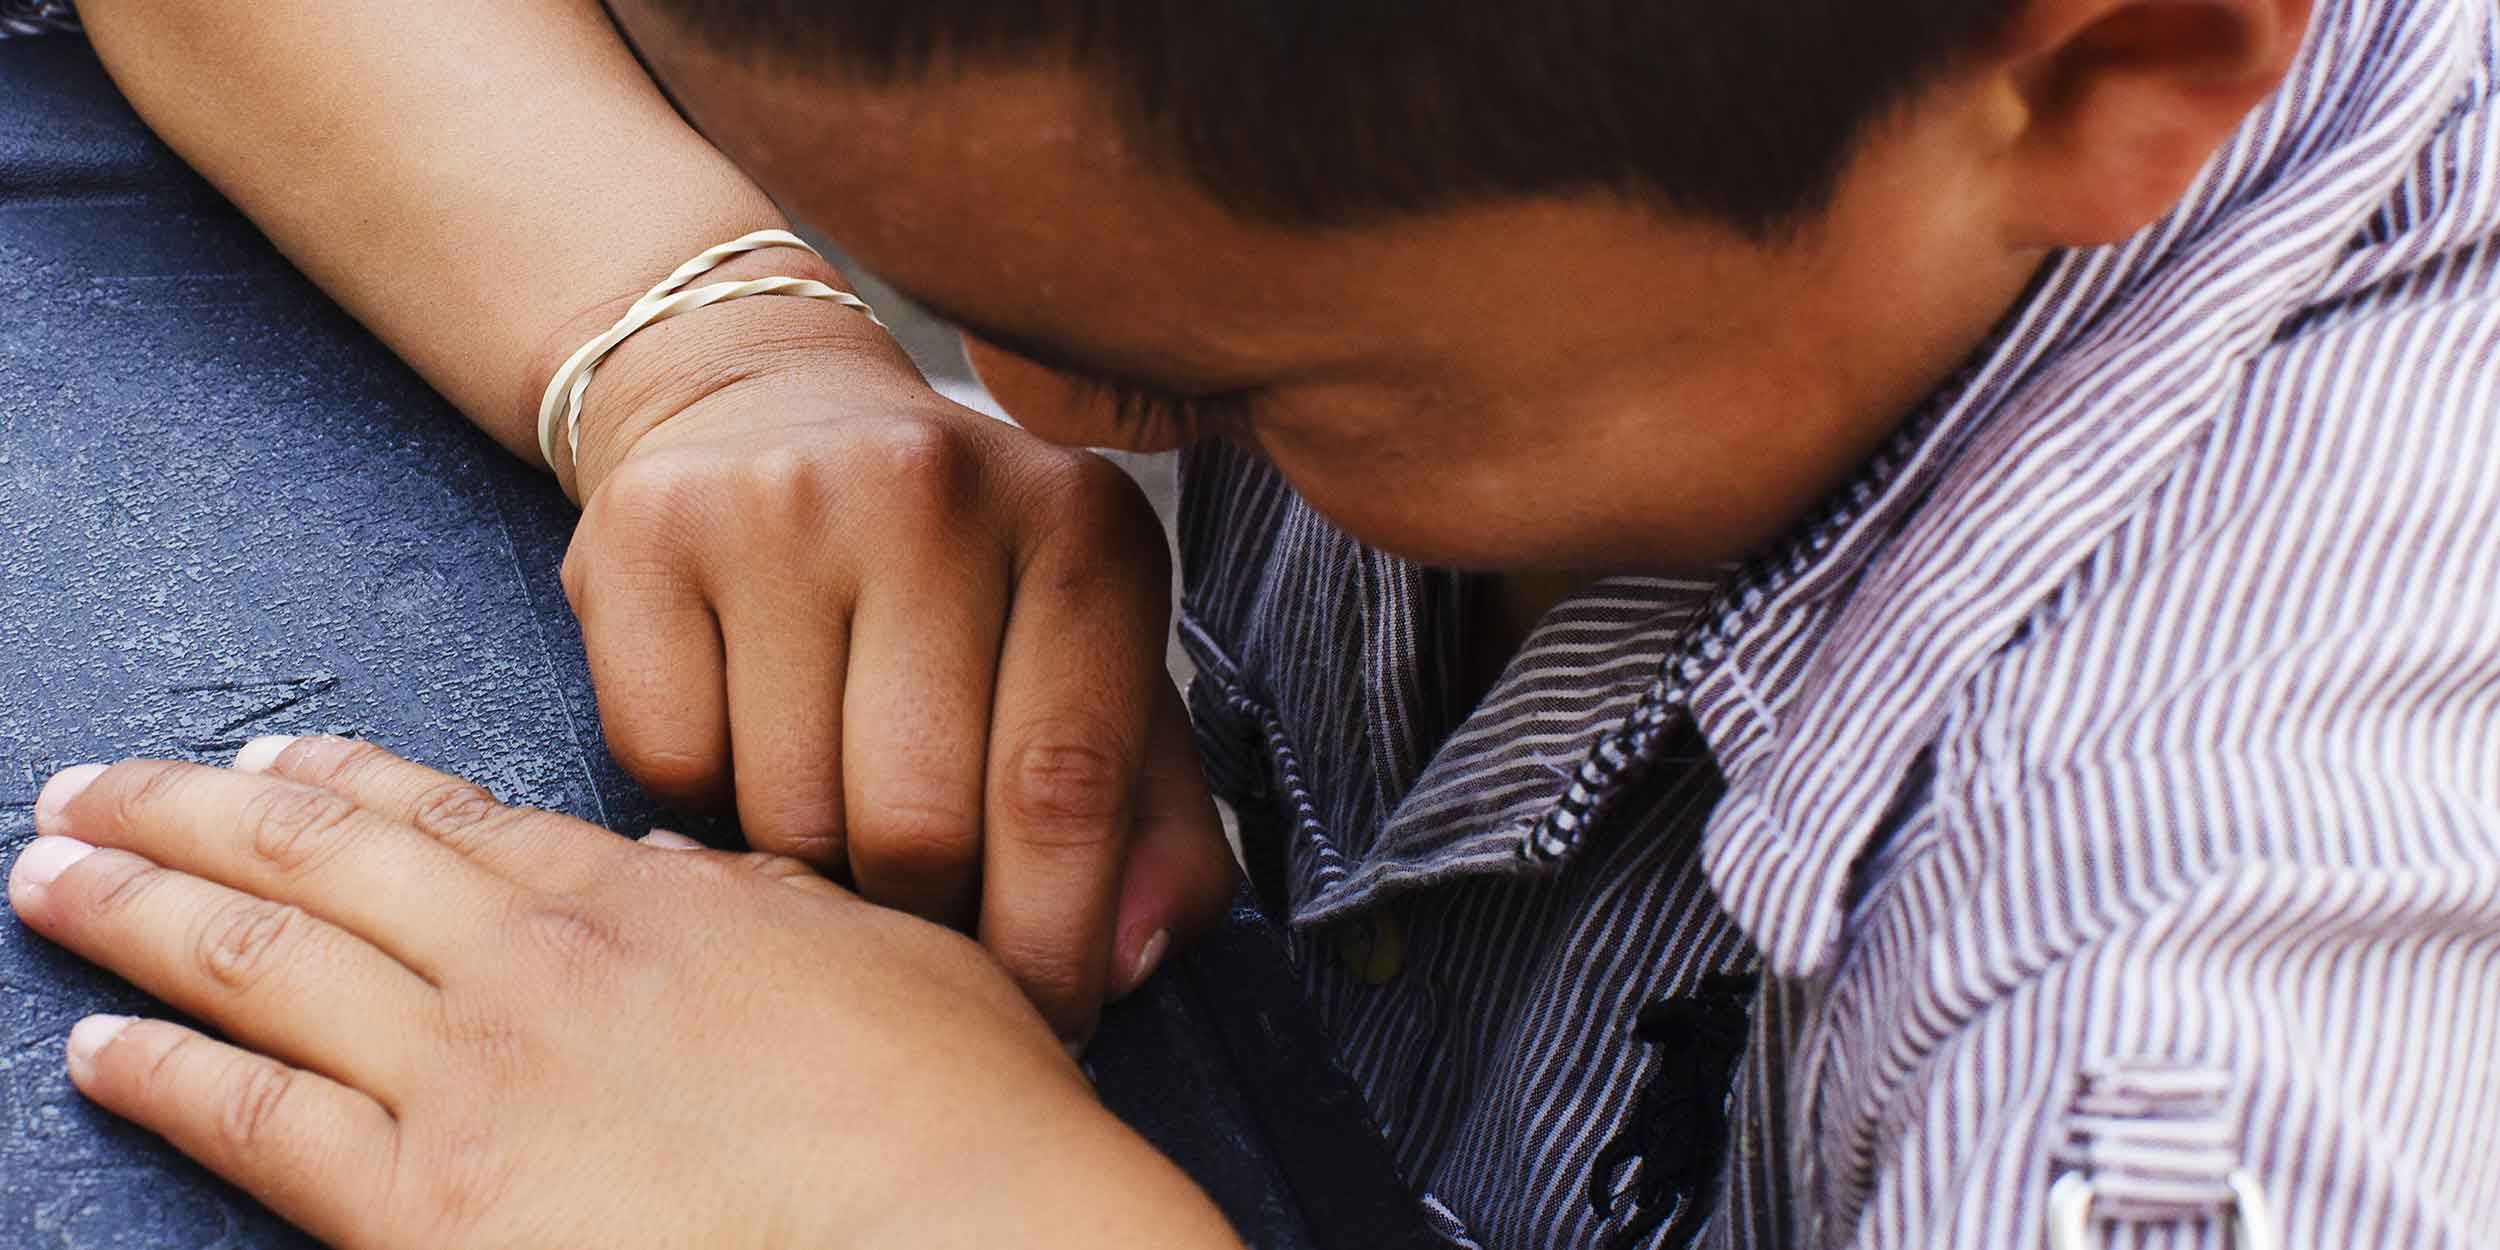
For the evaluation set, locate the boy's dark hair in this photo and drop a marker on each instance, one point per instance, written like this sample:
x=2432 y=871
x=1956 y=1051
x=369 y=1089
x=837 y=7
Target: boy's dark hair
x=1328 y=112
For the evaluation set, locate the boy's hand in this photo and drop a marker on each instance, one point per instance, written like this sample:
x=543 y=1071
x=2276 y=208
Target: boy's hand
x=461 y=1025
x=923 y=649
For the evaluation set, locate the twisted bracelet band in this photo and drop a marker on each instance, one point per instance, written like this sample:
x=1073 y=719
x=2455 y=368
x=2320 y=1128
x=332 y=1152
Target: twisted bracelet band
x=561 y=405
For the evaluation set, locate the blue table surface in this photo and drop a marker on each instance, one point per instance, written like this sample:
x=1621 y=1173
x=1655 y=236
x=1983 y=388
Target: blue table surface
x=226 y=511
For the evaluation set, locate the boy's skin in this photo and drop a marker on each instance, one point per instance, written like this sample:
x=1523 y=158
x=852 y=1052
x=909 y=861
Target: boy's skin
x=1557 y=384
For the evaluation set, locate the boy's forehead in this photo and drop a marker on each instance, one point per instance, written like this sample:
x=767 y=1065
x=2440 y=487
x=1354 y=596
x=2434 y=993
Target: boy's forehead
x=1022 y=132
x=1032 y=153
x=1011 y=197
x=973 y=186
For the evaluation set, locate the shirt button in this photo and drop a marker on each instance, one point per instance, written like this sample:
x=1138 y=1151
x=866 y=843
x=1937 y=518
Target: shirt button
x=1372 y=946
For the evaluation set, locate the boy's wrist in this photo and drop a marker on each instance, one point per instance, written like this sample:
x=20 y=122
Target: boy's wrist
x=670 y=366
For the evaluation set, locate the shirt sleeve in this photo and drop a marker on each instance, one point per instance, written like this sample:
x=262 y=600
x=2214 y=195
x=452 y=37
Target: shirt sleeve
x=2306 y=1046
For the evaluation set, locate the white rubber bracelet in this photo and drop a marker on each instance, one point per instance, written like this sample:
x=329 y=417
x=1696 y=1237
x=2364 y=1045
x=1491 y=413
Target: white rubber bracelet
x=561 y=405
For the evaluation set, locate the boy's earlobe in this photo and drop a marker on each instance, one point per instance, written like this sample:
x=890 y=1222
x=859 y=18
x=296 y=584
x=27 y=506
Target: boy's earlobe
x=2122 y=102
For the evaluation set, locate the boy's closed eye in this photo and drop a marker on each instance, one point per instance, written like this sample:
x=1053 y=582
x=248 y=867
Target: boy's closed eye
x=1075 y=403
x=1098 y=403
x=1149 y=416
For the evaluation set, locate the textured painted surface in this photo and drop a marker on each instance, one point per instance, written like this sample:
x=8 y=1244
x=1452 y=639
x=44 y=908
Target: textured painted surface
x=225 y=511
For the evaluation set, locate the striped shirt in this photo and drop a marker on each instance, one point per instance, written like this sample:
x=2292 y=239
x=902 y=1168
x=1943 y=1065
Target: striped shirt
x=2103 y=789
x=35 y=17
x=2100 y=797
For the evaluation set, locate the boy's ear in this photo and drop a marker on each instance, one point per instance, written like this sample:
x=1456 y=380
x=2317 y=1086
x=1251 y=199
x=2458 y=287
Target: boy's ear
x=2117 y=104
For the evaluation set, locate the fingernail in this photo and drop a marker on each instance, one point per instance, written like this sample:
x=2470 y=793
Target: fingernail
x=89 y=1036
x=46 y=858
x=670 y=840
x=1149 y=957
x=259 y=753
x=64 y=786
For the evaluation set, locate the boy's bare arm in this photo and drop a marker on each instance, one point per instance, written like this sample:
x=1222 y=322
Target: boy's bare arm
x=931 y=644
x=470 y=179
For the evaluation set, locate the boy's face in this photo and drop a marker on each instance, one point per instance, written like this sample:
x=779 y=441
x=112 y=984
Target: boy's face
x=1572 y=384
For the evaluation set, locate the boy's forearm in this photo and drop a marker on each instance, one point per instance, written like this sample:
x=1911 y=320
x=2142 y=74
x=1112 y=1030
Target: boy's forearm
x=483 y=183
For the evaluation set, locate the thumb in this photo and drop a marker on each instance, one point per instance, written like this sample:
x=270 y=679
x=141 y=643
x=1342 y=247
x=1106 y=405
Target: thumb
x=1180 y=875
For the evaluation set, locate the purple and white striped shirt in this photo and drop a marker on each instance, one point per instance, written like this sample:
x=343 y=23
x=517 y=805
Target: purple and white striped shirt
x=35 y=17
x=2101 y=798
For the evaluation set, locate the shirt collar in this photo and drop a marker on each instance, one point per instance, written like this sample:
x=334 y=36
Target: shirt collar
x=1483 y=787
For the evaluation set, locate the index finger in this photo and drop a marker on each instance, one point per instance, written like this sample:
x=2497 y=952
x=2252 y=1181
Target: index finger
x=540 y=850
x=283 y=841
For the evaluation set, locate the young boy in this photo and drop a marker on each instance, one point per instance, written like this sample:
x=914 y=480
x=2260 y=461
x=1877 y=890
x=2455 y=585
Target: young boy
x=1978 y=725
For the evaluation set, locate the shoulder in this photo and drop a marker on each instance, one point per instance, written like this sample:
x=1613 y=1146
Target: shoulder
x=2279 y=680
x=2296 y=640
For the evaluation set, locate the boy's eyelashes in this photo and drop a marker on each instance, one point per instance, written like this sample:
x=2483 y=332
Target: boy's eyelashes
x=1148 y=413
x=1139 y=410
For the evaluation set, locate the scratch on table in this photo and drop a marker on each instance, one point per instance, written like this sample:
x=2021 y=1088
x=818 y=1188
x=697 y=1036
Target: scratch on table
x=295 y=690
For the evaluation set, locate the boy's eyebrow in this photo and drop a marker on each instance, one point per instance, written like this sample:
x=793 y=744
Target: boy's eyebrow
x=1048 y=355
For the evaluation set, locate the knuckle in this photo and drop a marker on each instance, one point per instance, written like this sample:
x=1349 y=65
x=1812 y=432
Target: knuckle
x=928 y=828
x=157 y=1077
x=1097 y=496
x=578 y=571
x=1084 y=482
x=478 y=836
x=648 y=494
x=294 y=827
x=779 y=477
x=798 y=813
x=324 y=761
x=573 y=575
x=929 y=466
x=132 y=789
x=1063 y=779
x=241 y=943
x=813 y=845
x=664 y=766
x=1056 y=979
x=569 y=935
x=123 y=882
x=253 y=1100
x=447 y=807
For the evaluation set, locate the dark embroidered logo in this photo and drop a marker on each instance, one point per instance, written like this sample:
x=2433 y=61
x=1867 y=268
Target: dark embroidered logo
x=1677 y=1132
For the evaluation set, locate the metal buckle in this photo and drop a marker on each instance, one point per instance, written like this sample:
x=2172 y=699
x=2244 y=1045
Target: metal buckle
x=2070 y=1214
